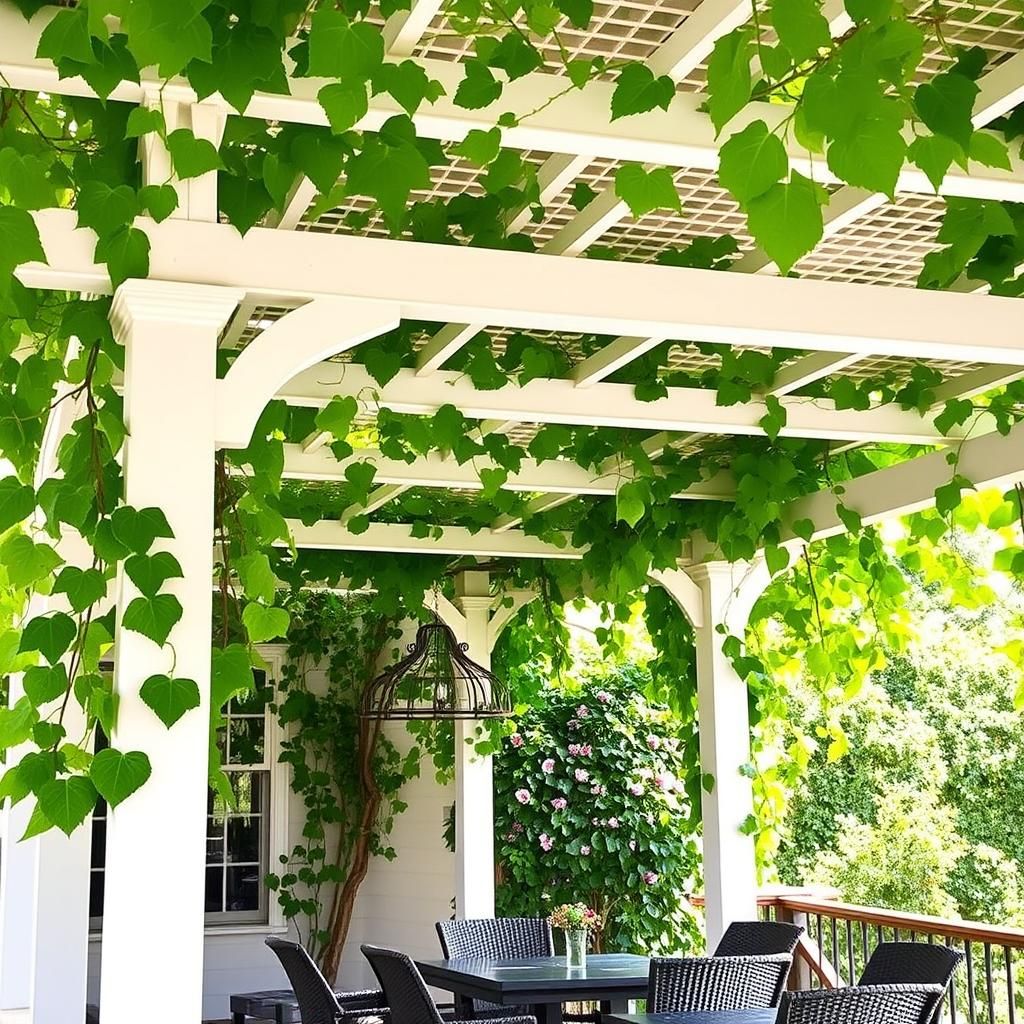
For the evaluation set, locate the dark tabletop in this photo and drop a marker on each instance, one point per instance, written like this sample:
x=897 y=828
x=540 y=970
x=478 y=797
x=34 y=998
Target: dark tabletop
x=541 y=979
x=704 y=1017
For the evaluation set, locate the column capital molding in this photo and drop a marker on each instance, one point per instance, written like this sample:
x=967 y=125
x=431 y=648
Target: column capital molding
x=716 y=570
x=475 y=602
x=196 y=305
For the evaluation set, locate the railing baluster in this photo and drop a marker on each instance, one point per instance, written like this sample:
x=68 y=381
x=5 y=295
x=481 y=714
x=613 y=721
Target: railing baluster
x=1008 y=958
x=821 y=942
x=837 y=962
x=952 y=992
x=989 y=988
x=864 y=944
x=851 y=976
x=971 y=1008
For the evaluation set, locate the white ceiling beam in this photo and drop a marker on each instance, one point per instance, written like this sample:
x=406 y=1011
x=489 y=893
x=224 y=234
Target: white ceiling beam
x=547 y=400
x=554 y=176
x=378 y=498
x=533 y=292
x=452 y=541
x=612 y=357
x=438 y=471
x=807 y=369
x=575 y=121
x=691 y=44
x=443 y=345
x=976 y=382
x=298 y=201
x=404 y=29
x=542 y=503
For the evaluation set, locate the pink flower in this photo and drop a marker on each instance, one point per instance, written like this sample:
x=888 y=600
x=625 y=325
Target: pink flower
x=559 y=803
x=546 y=842
x=613 y=822
x=517 y=827
x=582 y=711
x=598 y=790
x=586 y=750
x=523 y=796
x=603 y=696
x=636 y=788
x=574 y=749
x=547 y=765
x=516 y=740
x=573 y=723
x=653 y=742
x=581 y=774
x=661 y=782
x=585 y=850
x=650 y=877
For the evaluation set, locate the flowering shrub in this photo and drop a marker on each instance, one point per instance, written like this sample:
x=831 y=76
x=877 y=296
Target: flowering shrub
x=591 y=805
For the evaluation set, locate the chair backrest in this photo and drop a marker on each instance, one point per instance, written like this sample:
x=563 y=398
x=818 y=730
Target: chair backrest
x=758 y=938
x=404 y=989
x=316 y=999
x=498 y=938
x=875 y=1004
x=911 y=963
x=704 y=984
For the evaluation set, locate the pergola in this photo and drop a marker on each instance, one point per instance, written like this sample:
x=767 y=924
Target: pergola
x=298 y=294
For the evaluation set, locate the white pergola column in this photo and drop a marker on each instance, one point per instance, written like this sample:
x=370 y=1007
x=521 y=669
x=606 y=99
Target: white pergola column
x=716 y=594
x=474 y=775
x=153 y=905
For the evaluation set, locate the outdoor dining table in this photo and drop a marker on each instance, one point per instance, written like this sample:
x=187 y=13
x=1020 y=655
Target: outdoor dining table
x=696 y=1017
x=543 y=983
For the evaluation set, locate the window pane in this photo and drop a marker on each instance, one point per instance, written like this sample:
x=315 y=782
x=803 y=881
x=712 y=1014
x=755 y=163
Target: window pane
x=254 y=701
x=246 y=740
x=248 y=790
x=215 y=841
x=243 y=888
x=99 y=843
x=214 y=890
x=244 y=836
x=95 y=893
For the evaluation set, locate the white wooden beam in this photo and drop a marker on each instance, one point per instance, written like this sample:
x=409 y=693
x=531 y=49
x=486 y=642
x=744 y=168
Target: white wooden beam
x=546 y=400
x=573 y=122
x=567 y=479
x=554 y=176
x=452 y=540
x=691 y=44
x=404 y=29
x=612 y=357
x=542 y=503
x=529 y=291
x=378 y=498
x=299 y=198
x=443 y=345
x=809 y=368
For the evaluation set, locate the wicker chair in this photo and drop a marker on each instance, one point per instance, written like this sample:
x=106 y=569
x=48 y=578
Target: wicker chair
x=318 y=1002
x=758 y=938
x=911 y=963
x=405 y=991
x=690 y=984
x=499 y=938
x=876 y=1004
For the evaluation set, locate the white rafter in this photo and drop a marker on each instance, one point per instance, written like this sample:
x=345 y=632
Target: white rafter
x=404 y=29
x=527 y=291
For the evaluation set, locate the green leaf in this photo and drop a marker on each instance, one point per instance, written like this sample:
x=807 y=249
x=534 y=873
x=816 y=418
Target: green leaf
x=804 y=529
x=38 y=823
x=644 y=191
x=126 y=254
x=751 y=161
x=257 y=577
x=479 y=88
x=774 y=418
x=16 y=723
x=339 y=48
x=159 y=201
x=582 y=196
x=388 y=174
x=150 y=572
x=167 y=35
x=875 y=11
x=802 y=28
x=629 y=502
x=786 y=221
x=136 y=529
x=51 y=635
x=67 y=802
x=263 y=624
x=933 y=154
x=345 y=103
x=27 y=562
x=66 y=37
x=231 y=673
x=873 y=158
x=337 y=416
x=82 y=586
x=26 y=178
x=408 y=84
x=990 y=150
x=480 y=147
x=638 y=90
x=729 y=81
x=143 y=120
x=20 y=239
x=579 y=12
x=945 y=104
x=44 y=683
x=17 y=500
x=191 y=156
x=169 y=698
x=105 y=209
x=776 y=558
x=116 y=776
x=153 y=617
x=849 y=518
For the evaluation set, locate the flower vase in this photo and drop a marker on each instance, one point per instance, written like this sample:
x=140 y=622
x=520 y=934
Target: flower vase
x=575 y=948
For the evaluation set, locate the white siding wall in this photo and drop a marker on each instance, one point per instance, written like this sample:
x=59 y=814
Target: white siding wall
x=397 y=905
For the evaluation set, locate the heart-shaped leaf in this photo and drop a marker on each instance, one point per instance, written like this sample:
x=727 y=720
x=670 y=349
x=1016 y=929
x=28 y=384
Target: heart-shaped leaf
x=44 y=683
x=231 y=674
x=66 y=803
x=17 y=500
x=116 y=776
x=262 y=623
x=153 y=617
x=136 y=529
x=150 y=572
x=16 y=722
x=51 y=635
x=169 y=698
x=82 y=586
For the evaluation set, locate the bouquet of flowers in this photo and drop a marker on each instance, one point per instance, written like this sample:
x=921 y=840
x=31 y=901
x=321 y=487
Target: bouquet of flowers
x=575 y=917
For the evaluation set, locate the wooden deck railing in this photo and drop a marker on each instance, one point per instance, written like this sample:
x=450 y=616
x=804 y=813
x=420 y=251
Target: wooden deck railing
x=840 y=937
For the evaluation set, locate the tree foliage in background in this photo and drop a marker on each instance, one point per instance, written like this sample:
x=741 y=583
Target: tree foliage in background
x=592 y=804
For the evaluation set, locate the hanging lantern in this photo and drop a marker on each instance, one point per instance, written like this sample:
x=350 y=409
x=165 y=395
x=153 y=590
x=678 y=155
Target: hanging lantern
x=436 y=679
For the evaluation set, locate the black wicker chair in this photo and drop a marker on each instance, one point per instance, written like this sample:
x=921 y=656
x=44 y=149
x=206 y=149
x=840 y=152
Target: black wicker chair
x=911 y=963
x=405 y=992
x=875 y=1004
x=318 y=1002
x=758 y=938
x=690 y=984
